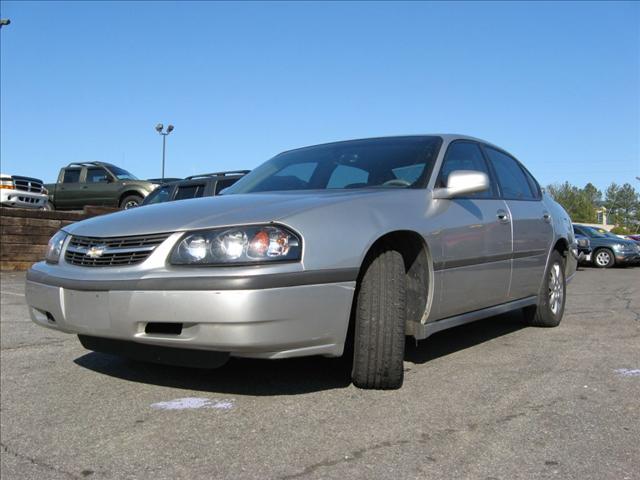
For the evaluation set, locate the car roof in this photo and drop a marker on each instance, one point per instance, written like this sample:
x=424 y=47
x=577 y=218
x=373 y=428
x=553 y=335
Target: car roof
x=198 y=179
x=224 y=174
x=446 y=137
x=90 y=164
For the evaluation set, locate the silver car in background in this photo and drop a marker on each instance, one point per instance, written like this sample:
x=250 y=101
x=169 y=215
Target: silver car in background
x=341 y=247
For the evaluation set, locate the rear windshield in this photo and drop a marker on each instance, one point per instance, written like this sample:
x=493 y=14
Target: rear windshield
x=398 y=162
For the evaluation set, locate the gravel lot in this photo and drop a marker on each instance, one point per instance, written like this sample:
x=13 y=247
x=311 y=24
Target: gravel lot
x=491 y=400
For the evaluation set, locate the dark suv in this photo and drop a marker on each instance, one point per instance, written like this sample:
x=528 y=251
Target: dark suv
x=195 y=186
x=609 y=249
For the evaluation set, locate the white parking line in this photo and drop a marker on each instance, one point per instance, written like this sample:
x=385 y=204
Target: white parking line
x=12 y=293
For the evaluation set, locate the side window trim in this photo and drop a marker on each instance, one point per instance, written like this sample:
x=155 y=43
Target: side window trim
x=172 y=193
x=494 y=186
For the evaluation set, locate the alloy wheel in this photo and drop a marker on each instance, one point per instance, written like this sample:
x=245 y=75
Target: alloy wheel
x=603 y=258
x=556 y=290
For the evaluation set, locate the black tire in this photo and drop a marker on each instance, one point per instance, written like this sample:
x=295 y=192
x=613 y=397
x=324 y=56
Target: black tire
x=603 y=258
x=48 y=207
x=130 y=201
x=552 y=296
x=380 y=323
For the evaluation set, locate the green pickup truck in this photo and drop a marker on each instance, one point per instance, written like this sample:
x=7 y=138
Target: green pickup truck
x=97 y=183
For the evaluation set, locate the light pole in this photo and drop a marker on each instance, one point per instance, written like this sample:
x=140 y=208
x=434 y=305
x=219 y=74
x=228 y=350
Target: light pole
x=159 y=128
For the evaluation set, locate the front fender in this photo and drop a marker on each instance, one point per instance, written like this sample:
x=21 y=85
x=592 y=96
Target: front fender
x=563 y=232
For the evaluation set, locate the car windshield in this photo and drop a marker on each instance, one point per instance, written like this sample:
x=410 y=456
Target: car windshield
x=159 y=195
x=399 y=162
x=594 y=233
x=122 y=174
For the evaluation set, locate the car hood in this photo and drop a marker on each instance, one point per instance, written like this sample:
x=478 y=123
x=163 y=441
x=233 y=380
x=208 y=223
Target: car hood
x=611 y=241
x=213 y=212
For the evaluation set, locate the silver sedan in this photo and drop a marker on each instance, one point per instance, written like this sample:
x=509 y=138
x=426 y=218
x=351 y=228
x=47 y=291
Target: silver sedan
x=342 y=247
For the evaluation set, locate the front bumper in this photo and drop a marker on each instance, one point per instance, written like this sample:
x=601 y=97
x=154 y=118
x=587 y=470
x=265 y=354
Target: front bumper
x=626 y=258
x=280 y=322
x=18 y=198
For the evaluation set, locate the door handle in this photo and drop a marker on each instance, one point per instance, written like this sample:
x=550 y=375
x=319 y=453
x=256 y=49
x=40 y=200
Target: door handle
x=547 y=217
x=84 y=187
x=503 y=216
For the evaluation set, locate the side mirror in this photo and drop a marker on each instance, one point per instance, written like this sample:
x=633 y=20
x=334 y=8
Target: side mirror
x=463 y=182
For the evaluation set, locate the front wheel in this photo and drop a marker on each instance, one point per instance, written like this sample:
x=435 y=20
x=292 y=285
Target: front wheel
x=551 y=300
x=603 y=258
x=380 y=323
x=130 y=201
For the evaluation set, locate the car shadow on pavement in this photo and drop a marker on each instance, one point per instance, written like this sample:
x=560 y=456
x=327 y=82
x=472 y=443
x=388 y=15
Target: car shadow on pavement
x=239 y=376
x=291 y=376
x=463 y=337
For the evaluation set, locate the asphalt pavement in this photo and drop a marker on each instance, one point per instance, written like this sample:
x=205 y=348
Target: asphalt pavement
x=490 y=400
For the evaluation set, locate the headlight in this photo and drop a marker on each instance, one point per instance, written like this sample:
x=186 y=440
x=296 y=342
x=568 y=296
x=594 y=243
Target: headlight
x=623 y=247
x=237 y=245
x=55 y=247
x=7 y=183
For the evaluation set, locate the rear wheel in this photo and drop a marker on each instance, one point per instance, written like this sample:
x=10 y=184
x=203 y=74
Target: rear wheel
x=380 y=323
x=551 y=299
x=603 y=258
x=130 y=201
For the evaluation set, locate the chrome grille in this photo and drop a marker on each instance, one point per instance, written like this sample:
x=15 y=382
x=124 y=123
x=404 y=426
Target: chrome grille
x=28 y=184
x=112 y=251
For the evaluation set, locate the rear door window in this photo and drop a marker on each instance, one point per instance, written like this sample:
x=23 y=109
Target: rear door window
x=71 y=175
x=535 y=188
x=189 y=191
x=511 y=177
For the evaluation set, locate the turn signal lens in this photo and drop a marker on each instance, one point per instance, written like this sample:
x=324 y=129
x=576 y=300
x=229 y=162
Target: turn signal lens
x=259 y=244
x=54 y=248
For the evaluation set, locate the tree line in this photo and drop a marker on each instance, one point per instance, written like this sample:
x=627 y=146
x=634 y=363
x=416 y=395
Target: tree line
x=622 y=204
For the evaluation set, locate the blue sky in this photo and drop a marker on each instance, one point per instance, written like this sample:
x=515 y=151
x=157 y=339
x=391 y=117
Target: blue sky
x=557 y=84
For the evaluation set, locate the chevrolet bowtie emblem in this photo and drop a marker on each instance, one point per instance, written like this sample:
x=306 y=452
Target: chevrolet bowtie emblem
x=95 y=252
